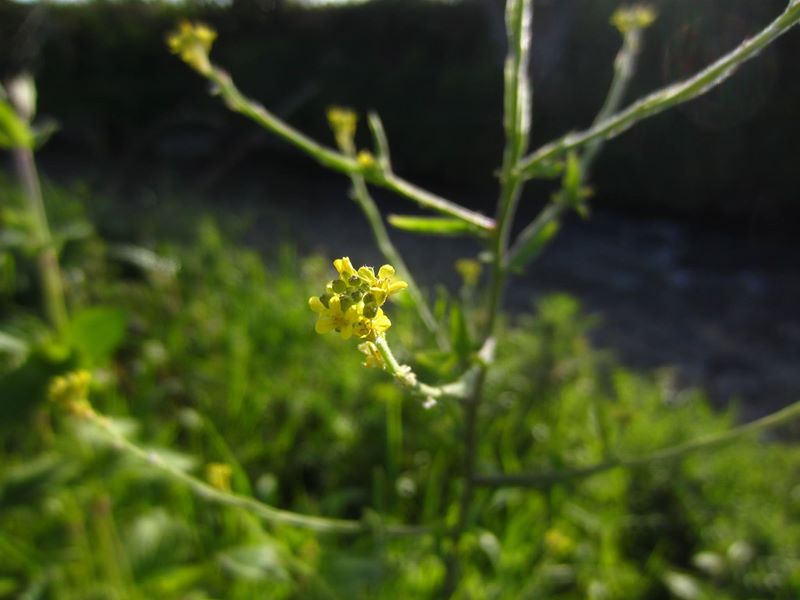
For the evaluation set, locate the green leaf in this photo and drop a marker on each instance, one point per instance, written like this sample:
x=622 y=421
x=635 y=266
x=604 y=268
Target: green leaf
x=432 y=225
x=534 y=245
x=97 y=332
x=14 y=133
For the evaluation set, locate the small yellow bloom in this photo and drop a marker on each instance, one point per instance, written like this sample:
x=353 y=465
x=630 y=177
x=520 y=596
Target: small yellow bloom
x=385 y=284
x=470 y=271
x=373 y=358
x=71 y=392
x=333 y=317
x=345 y=268
x=192 y=42
x=370 y=328
x=639 y=16
x=365 y=160
x=343 y=122
x=218 y=476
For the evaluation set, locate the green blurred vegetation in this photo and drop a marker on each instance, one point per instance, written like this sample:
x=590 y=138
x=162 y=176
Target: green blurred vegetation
x=204 y=354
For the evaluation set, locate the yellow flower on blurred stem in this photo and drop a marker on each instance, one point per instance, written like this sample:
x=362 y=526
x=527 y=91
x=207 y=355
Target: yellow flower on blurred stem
x=365 y=160
x=218 y=476
x=192 y=42
x=71 y=392
x=373 y=358
x=639 y=16
x=470 y=271
x=343 y=122
x=333 y=317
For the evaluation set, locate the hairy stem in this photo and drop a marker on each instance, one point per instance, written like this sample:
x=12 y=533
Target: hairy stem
x=667 y=97
x=547 y=479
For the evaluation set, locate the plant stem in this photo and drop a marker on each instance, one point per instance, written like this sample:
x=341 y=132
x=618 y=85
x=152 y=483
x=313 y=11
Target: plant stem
x=516 y=120
x=49 y=272
x=338 y=161
x=667 y=97
x=213 y=495
x=373 y=215
x=547 y=479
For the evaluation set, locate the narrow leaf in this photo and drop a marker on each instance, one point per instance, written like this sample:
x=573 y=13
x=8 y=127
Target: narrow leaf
x=432 y=225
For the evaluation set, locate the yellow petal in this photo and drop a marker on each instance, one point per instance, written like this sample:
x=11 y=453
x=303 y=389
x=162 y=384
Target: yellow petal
x=324 y=325
x=315 y=304
x=386 y=271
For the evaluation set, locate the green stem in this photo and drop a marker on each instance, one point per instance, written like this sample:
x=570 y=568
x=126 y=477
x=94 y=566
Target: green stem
x=547 y=479
x=213 y=495
x=49 y=272
x=373 y=215
x=516 y=120
x=338 y=161
x=408 y=379
x=624 y=68
x=667 y=97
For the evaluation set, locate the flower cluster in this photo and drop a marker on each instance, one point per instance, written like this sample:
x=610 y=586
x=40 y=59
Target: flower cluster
x=71 y=392
x=192 y=42
x=351 y=304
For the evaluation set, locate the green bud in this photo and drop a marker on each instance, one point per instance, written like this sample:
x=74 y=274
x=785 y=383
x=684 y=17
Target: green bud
x=346 y=303
x=326 y=300
x=357 y=295
x=339 y=286
x=354 y=280
x=369 y=299
x=370 y=310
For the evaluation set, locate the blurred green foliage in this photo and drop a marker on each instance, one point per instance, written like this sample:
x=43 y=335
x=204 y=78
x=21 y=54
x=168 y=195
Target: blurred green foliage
x=204 y=354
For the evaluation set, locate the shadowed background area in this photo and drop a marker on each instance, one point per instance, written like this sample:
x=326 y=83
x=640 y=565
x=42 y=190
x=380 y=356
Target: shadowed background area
x=433 y=71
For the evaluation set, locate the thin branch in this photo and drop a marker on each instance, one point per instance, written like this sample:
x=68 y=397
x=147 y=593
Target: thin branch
x=547 y=479
x=369 y=208
x=334 y=160
x=665 y=98
x=216 y=496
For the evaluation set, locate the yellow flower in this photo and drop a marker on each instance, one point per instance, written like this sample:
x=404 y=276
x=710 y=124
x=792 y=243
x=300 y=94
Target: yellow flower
x=218 y=476
x=365 y=160
x=343 y=122
x=639 y=16
x=192 y=42
x=372 y=327
x=384 y=285
x=333 y=317
x=345 y=268
x=470 y=271
x=71 y=392
x=373 y=358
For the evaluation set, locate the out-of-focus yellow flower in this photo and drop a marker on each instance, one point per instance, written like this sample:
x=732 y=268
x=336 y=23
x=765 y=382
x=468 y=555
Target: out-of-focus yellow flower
x=192 y=42
x=343 y=122
x=373 y=358
x=71 y=392
x=218 y=476
x=638 y=16
x=470 y=271
x=365 y=160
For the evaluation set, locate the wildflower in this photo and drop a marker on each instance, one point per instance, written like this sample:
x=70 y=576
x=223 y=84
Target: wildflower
x=334 y=317
x=470 y=271
x=192 y=42
x=351 y=304
x=71 y=392
x=343 y=122
x=373 y=358
x=639 y=16
x=218 y=476
x=365 y=160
